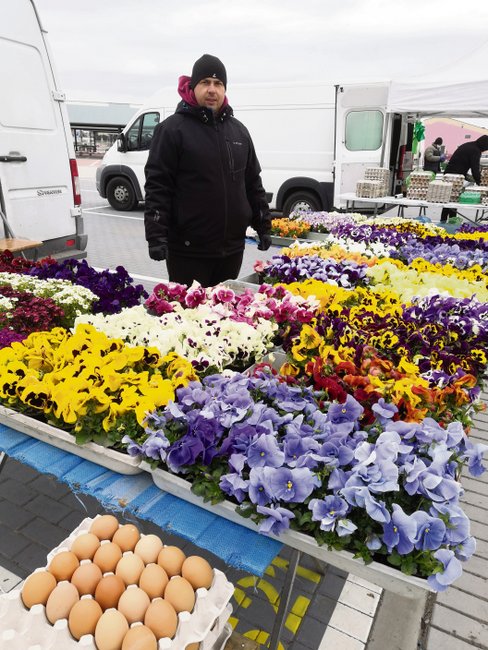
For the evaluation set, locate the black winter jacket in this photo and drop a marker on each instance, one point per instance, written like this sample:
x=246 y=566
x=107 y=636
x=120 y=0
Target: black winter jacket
x=203 y=185
x=467 y=157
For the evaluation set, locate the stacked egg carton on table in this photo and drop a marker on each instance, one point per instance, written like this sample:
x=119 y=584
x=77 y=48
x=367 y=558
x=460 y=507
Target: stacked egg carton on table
x=419 y=185
x=483 y=190
x=381 y=174
x=369 y=189
x=86 y=599
x=457 y=181
x=439 y=192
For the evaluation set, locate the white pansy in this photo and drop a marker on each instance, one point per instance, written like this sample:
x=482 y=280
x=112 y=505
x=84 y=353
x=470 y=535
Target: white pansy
x=204 y=335
x=63 y=292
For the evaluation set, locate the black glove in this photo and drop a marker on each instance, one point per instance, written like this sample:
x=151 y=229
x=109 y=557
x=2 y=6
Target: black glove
x=158 y=249
x=264 y=242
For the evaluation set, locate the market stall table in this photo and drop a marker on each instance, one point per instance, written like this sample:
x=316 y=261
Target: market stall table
x=480 y=211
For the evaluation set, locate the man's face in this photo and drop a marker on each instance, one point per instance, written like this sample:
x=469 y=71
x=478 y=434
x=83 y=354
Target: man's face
x=210 y=92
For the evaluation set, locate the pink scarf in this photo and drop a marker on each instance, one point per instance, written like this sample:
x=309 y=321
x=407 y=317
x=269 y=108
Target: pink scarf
x=186 y=93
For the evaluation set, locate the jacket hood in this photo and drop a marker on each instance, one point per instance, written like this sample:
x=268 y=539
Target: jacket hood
x=482 y=142
x=188 y=96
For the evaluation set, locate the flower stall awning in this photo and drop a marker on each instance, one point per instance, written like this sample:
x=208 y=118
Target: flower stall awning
x=453 y=98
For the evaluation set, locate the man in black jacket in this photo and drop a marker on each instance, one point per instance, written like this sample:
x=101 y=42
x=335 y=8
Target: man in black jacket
x=466 y=157
x=203 y=184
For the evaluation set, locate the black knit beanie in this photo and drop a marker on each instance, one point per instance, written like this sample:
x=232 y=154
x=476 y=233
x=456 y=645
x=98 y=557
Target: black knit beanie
x=438 y=141
x=208 y=66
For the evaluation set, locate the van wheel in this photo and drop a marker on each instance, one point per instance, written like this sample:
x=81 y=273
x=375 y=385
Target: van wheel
x=301 y=200
x=120 y=194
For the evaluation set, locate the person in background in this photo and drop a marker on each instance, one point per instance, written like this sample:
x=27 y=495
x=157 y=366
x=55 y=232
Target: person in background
x=466 y=157
x=433 y=156
x=203 y=184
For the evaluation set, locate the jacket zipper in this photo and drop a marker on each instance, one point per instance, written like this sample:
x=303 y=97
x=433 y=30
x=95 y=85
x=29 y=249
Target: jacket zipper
x=216 y=127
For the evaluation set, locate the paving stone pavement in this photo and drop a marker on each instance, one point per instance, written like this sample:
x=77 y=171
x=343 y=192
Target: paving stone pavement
x=37 y=513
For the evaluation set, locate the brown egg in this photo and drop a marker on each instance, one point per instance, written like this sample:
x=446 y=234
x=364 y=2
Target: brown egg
x=129 y=568
x=63 y=565
x=197 y=571
x=37 y=588
x=153 y=580
x=104 y=527
x=85 y=546
x=83 y=617
x=86 y=578
x=180 y=594
x=111 y=630
x=161 y=618
x=107 y=557
x=126 y=537
x=139 y=637
x=192 y=646
x=60 y=601
x=171 y=558
x=108 y=591
x=148 y=547
x=133 y=604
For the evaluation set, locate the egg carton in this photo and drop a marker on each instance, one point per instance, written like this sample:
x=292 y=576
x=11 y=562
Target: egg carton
x=369 y=189
x=418 y=193
x=30 y=629
x=420 y=179
x=439 y=192
x=381 y=174
x=32 y=632
x=457 y=181
x=484 y=175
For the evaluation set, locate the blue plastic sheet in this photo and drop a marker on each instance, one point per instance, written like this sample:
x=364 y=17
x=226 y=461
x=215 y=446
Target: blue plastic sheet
x=237 y=546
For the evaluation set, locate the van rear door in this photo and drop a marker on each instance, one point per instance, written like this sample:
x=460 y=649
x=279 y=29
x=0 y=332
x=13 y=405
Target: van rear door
x=37 y=162
x=361 y=129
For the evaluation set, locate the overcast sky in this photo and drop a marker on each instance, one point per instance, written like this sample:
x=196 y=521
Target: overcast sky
x=124 y=50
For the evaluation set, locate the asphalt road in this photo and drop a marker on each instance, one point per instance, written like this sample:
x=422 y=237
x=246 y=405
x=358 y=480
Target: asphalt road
x=117 y=238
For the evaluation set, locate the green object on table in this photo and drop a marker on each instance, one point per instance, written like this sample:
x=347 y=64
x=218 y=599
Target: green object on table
x=418 y=135
x=470 y=197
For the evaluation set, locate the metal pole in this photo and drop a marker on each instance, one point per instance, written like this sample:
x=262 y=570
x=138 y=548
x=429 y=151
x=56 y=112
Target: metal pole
x=3 y=459
x=284 y=600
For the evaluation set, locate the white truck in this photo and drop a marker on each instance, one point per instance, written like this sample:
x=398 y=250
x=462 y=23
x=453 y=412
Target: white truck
x=313 y=140
x=39 y=183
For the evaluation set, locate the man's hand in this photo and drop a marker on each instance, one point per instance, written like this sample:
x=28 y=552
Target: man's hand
x=442 y=158
x=158 y=250
x=264 y=242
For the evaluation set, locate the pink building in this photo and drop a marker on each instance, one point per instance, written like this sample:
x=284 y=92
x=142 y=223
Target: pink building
x=453 y=132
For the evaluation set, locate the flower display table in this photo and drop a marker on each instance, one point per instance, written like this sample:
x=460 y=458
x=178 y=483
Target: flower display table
x=384 y=576
x=109 y=458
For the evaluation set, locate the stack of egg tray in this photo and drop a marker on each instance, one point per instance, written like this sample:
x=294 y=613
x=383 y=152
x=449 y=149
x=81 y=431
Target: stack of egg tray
x=484 y=176
x=381 y=174
x=483 y=190
x=457 y=181
x=369 y=189
x=439 y=192
x=419 y=183
x=24 y=629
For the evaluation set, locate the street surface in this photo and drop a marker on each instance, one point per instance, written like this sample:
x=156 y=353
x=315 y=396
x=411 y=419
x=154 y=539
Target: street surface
x=117 y=238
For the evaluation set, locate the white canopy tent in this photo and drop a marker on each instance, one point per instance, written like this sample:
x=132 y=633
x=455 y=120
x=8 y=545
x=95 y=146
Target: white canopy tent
x=456 y=99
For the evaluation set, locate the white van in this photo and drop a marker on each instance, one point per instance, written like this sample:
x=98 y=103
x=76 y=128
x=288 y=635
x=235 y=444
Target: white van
x=313 y=141
x=39 y=184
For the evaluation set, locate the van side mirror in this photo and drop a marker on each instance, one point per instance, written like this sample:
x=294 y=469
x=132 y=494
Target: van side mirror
x=121 y=142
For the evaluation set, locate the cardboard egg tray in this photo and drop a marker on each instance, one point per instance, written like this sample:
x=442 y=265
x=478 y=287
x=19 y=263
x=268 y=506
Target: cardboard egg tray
x=30 y=630
x=369 y=189
x=439 y=192
x=484 y=176
x=381 y=174
x=457 y=181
